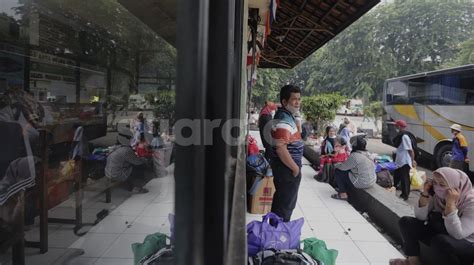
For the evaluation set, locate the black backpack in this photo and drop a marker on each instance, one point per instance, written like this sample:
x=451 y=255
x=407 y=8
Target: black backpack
x=414 y=145
x=283 y=257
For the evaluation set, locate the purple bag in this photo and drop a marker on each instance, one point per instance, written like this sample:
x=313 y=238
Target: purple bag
x=262 y=235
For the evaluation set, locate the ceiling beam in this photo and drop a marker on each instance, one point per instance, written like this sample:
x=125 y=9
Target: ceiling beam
x=284 y=46
x=306 y=29
x=274 y=62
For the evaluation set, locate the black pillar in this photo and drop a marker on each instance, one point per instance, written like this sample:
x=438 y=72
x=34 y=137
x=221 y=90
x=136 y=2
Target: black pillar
x=206 y=68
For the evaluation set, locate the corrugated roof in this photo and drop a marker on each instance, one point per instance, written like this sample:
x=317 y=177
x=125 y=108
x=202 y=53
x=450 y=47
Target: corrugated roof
x=303 y=26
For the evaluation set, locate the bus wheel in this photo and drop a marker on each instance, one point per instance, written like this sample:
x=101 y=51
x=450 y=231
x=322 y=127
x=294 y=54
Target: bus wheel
x=443 y=156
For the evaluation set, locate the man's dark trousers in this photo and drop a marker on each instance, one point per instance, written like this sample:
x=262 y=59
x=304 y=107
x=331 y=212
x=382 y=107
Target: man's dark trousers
x=286 y=194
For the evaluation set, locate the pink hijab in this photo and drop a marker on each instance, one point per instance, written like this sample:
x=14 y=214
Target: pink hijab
x=455 y=179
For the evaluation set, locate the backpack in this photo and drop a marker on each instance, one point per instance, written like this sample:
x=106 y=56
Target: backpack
x=283 y=257
x=384 y=179
x=257 y=165
x=414 y=145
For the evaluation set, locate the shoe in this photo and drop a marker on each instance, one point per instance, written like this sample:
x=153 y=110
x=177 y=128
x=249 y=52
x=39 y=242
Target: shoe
x=403 y=197
x=139 y=190
x=399 y=262
x=337 y=196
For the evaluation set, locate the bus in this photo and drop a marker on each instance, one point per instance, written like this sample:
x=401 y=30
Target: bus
x=430 y=103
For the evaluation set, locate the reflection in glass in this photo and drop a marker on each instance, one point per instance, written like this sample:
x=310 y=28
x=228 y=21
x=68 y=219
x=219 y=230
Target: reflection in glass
x=74 y=77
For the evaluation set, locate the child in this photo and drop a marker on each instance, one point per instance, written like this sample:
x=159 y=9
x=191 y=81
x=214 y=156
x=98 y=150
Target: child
x=340 y=153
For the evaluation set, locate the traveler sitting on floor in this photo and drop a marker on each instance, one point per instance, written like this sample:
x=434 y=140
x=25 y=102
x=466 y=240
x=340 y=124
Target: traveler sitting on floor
x=444 y=219
x=357 y=171
x=124 y=165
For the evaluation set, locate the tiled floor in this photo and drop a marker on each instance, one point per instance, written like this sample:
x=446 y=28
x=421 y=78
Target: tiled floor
x=338 y=224
x=131 y=218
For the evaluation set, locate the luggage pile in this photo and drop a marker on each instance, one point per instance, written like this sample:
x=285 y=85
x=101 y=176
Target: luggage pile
x=273 y=241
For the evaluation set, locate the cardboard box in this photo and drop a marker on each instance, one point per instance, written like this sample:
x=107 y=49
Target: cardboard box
x=261 y=201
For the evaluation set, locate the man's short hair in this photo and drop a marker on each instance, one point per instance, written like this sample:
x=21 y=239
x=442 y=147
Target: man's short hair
x=285 y=92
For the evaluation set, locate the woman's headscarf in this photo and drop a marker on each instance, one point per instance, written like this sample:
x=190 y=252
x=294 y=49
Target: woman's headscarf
x=455 y=178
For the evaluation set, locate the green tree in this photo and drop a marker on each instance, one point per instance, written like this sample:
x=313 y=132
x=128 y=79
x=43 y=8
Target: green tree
x=464 y=56
x=322 y=108
x=375 y=111
x=395 y=38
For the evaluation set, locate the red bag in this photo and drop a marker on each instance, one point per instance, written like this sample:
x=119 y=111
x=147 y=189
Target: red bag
x=252 y=146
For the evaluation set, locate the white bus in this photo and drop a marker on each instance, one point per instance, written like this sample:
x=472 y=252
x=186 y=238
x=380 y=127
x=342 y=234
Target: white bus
x=430 y=103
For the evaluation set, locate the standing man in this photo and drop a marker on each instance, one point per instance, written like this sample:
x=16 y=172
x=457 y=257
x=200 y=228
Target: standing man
x=405 y=159
x=287 y=152
x=266 y=115
x=459 y=157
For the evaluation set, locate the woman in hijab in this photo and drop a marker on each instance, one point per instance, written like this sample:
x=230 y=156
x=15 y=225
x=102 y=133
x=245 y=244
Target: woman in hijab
x=444 y=219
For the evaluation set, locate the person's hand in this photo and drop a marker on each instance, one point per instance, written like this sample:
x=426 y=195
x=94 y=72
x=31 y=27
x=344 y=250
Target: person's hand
x=452 y=196
x=295 y=171
x=414 y=163
x=467 y=160
x=427 y=186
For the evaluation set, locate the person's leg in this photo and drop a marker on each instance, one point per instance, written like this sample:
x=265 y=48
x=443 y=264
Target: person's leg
x=460 y=252
x=343 y=183
x=396 y=177
x=137 y=178
x=405 y=181
x=412 y=231
x=286 y=191
x=457 y=164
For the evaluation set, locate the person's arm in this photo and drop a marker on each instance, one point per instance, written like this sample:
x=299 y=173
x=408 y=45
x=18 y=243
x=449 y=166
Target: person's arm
x=425 y=203
x=349 y=164
x=464 y=147
x=458 y=227
x=406 y=141
x=285 y=157
x=133 y=159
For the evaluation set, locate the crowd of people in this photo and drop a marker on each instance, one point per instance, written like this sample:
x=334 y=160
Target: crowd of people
x=445 y=212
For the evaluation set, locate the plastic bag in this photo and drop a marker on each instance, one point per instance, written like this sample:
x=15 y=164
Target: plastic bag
x=263 y=236
x=67 y=168
x=317 y=249
x=416 y=181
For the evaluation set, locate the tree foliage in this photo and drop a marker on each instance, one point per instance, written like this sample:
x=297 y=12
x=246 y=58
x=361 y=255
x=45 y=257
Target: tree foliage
x=396 y=38
x=322 y=108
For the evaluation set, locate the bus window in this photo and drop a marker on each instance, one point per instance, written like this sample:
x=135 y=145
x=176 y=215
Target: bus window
x=397 y=93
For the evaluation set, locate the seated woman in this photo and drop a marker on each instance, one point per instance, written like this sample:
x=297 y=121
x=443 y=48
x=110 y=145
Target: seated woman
x=327 y=146
x=444 y=219
x=357 y=171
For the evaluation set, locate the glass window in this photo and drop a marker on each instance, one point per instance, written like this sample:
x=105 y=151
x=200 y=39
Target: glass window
x=80 y=82
x=445 y=89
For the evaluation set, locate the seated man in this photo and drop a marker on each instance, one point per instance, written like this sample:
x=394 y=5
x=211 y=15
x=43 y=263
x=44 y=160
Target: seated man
x=357 y=171
x=124 y=165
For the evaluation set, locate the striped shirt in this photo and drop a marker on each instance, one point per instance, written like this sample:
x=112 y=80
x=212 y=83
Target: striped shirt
x=284 y=129
x=361 y=169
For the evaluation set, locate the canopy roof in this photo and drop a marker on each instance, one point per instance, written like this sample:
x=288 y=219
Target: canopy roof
x=301 y=26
